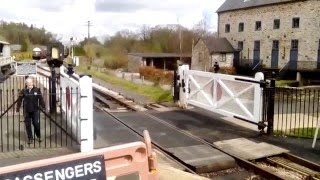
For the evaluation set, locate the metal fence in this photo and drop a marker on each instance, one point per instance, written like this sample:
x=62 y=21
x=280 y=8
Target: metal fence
x=292 y=111
x=55 y=128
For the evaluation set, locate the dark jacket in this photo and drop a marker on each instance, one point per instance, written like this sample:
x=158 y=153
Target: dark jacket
x=31 y=100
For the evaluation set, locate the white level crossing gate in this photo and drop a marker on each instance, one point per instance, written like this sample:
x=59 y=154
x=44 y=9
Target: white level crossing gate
x=232 y=96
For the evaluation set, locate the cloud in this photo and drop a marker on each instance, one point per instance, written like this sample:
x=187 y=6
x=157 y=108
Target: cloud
x=51 y=6
x=118 y=6
x=69 y=17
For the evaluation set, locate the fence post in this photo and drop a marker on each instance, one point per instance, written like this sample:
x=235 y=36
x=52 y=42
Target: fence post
x=270 y=108
x=184 y=86
x=86 y=113
x=53 y=91
x=176 y=88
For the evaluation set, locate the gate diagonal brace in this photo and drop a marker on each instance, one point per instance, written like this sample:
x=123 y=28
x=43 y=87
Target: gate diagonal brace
x=52 y=120
x=12 y=105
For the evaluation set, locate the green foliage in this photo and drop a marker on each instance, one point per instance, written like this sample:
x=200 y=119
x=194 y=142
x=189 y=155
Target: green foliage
x=18 y=33
x=156 y=94
x=78 y=51
x=19 y=56
x=285 y=83
x=25 y=45
x=298 y=132
x=159 y=39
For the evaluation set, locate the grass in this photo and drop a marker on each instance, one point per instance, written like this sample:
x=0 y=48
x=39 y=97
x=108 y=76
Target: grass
x=155 y=93
x=299 y=132
x=284 y=83
x=22 y=56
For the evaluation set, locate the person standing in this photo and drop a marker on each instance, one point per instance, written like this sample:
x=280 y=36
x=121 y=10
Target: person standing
x=216 y=67
x=32 y=100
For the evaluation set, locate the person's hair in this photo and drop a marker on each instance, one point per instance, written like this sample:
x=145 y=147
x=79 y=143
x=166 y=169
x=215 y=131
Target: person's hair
x=29 y=80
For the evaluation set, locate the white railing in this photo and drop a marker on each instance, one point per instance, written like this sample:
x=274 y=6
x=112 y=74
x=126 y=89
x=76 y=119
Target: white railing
x=76 y=104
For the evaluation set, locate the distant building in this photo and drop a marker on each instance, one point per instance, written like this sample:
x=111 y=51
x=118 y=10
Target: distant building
x=165 y=61
x=276 y=33
x=210 y=50
x=15 y=47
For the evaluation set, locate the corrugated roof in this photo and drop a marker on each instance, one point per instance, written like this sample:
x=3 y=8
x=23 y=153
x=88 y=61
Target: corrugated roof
x=229 y=5
x=218 y=45
x=158 y=55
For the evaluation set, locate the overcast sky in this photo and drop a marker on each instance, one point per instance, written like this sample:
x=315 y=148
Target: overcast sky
x=69 y=17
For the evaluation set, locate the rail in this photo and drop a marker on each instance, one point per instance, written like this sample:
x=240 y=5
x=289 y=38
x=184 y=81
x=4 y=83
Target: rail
x=250 y=165
x=142 y=161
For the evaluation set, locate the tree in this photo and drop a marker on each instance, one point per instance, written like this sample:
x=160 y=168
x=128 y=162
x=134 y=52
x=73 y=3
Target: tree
x=201 y=29
x=90 y=51
x=25 y=45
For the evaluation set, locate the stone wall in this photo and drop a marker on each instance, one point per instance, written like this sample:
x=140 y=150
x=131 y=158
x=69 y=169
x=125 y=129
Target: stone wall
x=201 y=59
x=226 y=61
x=134 y=63
x=308 y=32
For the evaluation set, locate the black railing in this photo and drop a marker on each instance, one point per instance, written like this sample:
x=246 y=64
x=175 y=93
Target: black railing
x=296 y=112
x=55 y=127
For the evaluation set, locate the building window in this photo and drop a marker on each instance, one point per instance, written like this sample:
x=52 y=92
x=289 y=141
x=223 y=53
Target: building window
x=295 y=22
x=276 y=24
x=200 y=57
x=275 y=45
x=294 y=44
x=256 y=45
x=319 y=45
x=258 y=25
x=223 y=57
x=227 y=28
x=240 y=45
x=241 y=27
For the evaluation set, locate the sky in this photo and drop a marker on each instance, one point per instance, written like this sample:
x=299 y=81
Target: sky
x=68 y=18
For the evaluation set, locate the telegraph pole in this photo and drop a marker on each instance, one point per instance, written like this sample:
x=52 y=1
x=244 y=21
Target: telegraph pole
x=180 y=40
x=89 y=24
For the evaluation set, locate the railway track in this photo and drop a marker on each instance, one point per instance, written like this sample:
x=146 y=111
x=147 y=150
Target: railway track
x=283 y=166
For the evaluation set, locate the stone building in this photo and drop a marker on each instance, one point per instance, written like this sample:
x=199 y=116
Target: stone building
x=276 y=33
x=210 y=50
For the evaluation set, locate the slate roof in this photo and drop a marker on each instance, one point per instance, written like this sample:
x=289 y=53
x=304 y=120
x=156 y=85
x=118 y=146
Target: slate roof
x=230 y=5
x=218 y=45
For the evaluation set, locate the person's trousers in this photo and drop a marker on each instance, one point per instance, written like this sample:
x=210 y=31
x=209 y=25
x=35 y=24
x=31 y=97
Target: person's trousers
x=32 y=117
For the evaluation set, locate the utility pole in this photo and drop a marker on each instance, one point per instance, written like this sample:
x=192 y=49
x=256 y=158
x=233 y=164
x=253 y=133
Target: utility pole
x=89 y=24
x=180 y=40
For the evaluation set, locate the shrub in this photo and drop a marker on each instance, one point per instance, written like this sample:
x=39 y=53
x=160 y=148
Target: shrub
x=228 y=70
x=157 y=76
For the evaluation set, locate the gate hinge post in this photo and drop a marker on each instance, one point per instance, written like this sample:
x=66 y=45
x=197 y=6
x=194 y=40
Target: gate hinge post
x=270 y=108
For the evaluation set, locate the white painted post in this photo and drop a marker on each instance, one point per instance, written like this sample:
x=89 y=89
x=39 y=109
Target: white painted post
x=183 y=90
x=86 y=113
x=258 y=98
